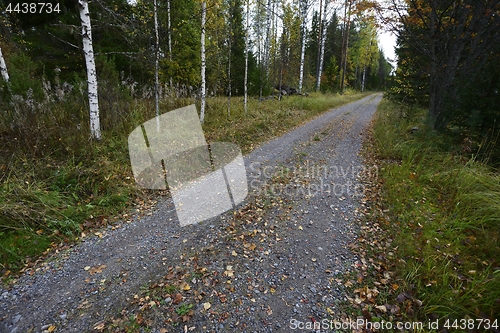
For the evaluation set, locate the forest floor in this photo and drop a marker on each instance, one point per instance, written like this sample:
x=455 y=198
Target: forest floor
x=279 y=262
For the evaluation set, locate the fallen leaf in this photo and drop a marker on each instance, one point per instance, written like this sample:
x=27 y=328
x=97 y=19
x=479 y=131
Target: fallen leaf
x=207 y=305
x=99 y=326
x=95 y=270
x=177 y=299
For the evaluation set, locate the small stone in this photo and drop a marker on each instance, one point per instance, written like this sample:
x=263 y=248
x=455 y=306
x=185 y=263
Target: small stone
x=168 y=300
x=16 y=319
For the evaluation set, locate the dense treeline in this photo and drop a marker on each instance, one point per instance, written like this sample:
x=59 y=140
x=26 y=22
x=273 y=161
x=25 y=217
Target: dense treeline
x=124 y=36
x=448 y=62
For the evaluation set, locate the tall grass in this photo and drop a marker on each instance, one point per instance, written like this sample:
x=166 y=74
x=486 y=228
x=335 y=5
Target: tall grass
x=55 y=181
x=445 y=217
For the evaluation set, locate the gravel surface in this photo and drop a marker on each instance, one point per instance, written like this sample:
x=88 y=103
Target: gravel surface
x=272 y=260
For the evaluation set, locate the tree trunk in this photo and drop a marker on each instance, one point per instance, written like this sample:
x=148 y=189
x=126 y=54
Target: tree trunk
x=246 y=59
x=267 y=59
x=322 y=49
x=157 y=61
x=363 y=79
x=347 y=12
x=169 y=35
x=229 y=80
x=320 y=36
x=3 y=67
x=303 y=42
x=203 y=62
x=95 y=128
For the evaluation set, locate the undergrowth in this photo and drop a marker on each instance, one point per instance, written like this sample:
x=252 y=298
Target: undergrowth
x=444 y=217
x=55 y=182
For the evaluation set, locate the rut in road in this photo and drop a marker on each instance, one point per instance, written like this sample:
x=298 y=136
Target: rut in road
x=309 y=174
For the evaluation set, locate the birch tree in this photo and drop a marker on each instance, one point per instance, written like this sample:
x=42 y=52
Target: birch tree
x=304 y=7
x=95 y=128
x=3 y=67
x=203 y=62
x=246 y=57
x=169 y=36
x=320 y=20
x=157 y=60
x=321 y=41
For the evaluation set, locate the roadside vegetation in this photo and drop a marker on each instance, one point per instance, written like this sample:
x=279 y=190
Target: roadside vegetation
x=54 y=183
x=435 y=232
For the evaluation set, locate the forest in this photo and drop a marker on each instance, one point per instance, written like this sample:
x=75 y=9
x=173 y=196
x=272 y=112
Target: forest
x=142 y=48
x=79 y=76
x=72 y=71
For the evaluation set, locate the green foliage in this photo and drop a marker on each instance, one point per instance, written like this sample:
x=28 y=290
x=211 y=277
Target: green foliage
x=23 y=81
x=183 y=309
x=444 y=212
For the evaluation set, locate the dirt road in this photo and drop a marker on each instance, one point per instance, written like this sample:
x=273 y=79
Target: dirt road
x=272 y=260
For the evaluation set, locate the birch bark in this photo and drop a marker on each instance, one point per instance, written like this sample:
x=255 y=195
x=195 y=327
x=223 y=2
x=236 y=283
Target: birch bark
x=246 y=59
x=3 y=67
x=95 y=127
x=203 y=61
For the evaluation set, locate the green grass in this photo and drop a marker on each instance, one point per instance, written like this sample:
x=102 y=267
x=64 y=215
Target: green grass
x=444 y=211
x=55 y=182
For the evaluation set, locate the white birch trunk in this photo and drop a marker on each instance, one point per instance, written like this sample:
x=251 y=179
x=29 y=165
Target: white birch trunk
x=157 y=60
x=302 y=54
x=3 y=67
x=169 y=25
x=203 y=62
x=95 y=127
x=320 y=36
x=322 y=55
x=229 y=80
x=267 y=59
x=303 y=42
x=363 y=80
x=246 y=60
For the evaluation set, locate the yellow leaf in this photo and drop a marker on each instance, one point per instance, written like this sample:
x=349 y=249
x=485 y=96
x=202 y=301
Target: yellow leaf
x=272 y=290
x=234 y=254
x=300 y=227
x=186 y=287
x=207 y=305
x=51 y=328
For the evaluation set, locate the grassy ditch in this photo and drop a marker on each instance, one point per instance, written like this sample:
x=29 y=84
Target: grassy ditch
x=56 y=183
x=441 y=210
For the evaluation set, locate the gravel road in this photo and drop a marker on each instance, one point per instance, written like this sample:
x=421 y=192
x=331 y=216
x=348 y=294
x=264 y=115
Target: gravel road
x=272 y=260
